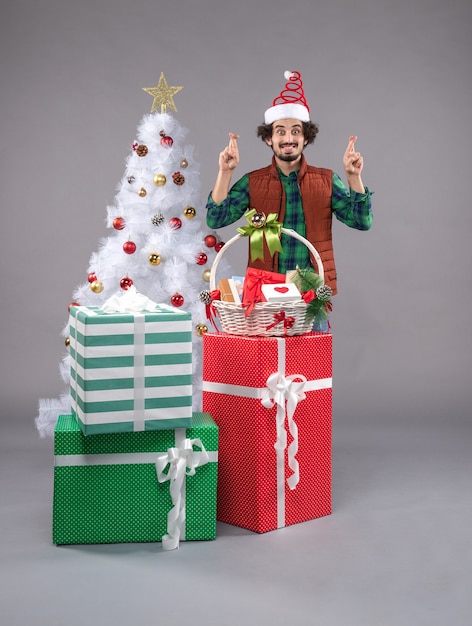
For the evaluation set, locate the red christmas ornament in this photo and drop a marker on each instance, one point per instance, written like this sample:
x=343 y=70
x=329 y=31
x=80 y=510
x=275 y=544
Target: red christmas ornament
x=91 y=277
x=166 y=140
x=118 y=223
x=125 y=283
x=72 y=304
x=201 y=258
x=129 y=247
x=177 y=299
x=210 y=241
x=175 y=223
x=219 y=245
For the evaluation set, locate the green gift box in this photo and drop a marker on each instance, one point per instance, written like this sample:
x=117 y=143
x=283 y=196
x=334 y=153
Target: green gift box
x=130 y=371
x=135 y=487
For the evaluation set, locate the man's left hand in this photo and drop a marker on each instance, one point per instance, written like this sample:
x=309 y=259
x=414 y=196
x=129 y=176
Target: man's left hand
x=352 y=160
x=353 y=165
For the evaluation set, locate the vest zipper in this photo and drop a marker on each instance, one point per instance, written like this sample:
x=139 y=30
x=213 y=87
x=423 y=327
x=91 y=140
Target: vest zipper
x=278 y=213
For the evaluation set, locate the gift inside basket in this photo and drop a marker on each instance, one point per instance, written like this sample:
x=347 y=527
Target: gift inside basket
x=269 y=319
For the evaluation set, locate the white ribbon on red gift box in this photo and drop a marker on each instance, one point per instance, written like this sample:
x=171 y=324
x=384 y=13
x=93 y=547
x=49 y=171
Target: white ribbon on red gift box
x=281 y=391
x=182 y=461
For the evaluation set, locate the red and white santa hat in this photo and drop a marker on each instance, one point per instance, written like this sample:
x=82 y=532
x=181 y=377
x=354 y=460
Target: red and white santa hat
x=290 y=103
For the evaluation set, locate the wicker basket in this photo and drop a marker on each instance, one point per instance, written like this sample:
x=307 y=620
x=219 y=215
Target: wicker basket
x=232 y=315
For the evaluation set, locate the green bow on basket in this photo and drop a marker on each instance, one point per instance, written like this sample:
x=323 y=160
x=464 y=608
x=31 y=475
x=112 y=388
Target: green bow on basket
x=260 y=226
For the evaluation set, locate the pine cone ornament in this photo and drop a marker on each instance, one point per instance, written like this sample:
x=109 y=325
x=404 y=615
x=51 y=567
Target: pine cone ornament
x=157 y=219
x=178 y=178
x=141 y=150
x=205 y=297
x=324 y=293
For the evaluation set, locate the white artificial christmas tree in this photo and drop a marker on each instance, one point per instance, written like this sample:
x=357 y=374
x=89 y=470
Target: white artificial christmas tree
x=157 y=243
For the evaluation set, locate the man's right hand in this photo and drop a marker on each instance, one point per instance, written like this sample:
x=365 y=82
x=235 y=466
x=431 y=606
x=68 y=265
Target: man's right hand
x=229 y=158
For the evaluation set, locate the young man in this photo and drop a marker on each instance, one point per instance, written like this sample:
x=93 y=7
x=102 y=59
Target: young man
x=304 y=197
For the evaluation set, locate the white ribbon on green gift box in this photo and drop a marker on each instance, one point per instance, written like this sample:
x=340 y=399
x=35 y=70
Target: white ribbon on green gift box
x=284 y=392
x=130 y=301
x=182 y=461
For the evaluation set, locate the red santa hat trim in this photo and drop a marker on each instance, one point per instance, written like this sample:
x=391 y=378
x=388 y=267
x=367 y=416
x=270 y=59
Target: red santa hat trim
x=290 y=103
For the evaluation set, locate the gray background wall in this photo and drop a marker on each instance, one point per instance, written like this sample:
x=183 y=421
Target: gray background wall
x=396 y=73
x=396 y=550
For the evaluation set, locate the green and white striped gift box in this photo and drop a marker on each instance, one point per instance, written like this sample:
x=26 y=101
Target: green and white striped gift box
x=131 y=371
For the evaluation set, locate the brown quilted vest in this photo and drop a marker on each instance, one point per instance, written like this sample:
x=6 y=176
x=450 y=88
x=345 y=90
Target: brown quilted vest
x=267 y=195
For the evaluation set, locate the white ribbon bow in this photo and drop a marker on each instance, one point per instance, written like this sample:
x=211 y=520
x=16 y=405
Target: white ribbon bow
x=280 y=390
x=130 y=301
x=182 y=462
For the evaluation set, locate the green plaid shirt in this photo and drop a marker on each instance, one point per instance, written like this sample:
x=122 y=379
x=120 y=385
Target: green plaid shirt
x=350 y=207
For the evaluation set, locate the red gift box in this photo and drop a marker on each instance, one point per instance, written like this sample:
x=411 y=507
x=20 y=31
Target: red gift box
x=252 y=286
x=271 y=398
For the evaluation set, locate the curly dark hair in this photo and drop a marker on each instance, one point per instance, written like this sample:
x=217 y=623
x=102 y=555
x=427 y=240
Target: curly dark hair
x=310 y=130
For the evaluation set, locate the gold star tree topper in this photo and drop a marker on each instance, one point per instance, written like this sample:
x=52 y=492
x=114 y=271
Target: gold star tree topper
x=163 y=95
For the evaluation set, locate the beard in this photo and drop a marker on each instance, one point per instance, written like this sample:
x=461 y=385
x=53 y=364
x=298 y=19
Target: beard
x=288 y=158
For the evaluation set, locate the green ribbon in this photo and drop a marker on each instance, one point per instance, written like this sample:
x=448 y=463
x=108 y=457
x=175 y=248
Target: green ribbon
x=271 y=230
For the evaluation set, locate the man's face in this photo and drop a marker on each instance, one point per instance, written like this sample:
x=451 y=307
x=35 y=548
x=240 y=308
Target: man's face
x=287 y=139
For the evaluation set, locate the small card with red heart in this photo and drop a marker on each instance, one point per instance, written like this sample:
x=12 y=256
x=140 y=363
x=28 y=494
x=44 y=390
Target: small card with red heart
x=281 y=292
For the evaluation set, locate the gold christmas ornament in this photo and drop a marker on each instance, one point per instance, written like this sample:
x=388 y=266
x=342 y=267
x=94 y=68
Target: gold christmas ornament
x=189 y=212
x=142 y=192
x=184 y=163
x=201 y=329
x=206 y=275
x=258 y=220
x=154 y=258
x=96 y=286
x=163 y=95
x=160 y=180
x=67 y=342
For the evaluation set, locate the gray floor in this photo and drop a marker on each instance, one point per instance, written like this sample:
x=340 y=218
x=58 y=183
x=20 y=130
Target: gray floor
x=395 y=552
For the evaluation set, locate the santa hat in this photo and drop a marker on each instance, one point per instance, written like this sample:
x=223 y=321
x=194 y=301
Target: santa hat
x=290 y=103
